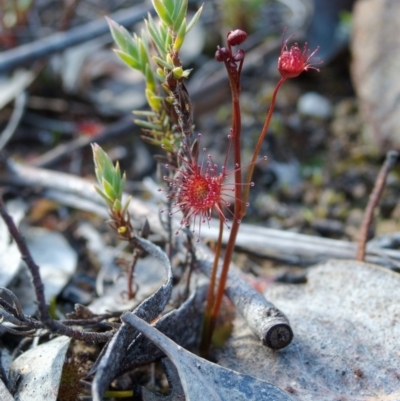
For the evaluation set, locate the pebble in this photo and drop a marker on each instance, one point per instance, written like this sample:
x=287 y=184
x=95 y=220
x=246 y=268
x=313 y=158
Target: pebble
x=313 y=104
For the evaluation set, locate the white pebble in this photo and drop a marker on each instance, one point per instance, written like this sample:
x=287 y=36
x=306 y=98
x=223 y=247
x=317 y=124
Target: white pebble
x=314 y=105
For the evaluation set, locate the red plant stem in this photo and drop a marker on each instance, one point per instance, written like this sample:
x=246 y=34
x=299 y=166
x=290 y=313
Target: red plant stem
x=205 y=340
x=391 y=158
x=240 y=201
x=230 y=247
x=234 y=79
x=259 y=144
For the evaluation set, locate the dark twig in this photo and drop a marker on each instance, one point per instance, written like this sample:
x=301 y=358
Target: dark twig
x=122 y=127
x=13 y=123
x=52 y=325
x=135 y=256
x=391 y=159
x=62 y=40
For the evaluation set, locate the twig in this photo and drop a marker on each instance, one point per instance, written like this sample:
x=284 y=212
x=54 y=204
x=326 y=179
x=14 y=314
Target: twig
x=16 y=116
x=122 y=127
x=62 y=40
x=52 y=325
x=289 y=247
x=135 y=256
x=240 y=291
x=266 y=321
x=391 y=159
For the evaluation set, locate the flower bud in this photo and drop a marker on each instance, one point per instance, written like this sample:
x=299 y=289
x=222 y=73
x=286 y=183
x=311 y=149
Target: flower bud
x=236 y=37
x=222 y=54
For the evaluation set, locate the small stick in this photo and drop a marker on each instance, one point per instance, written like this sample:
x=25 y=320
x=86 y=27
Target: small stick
x=60 y=41
x=266 y=321
x=391 y=159
x=12 y=125
x=52 y=325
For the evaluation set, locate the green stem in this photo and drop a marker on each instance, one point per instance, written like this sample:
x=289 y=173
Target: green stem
x=205 y=341
x=259 y=144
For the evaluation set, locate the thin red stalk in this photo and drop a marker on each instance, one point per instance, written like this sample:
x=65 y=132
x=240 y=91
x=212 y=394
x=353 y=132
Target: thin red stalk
x=391 y=158
x=259 y=144
x=234 y=79
x=224 y=275
x=210 y=296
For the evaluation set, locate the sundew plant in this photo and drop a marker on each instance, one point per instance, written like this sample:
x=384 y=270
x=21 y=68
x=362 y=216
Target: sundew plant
x=197 y=188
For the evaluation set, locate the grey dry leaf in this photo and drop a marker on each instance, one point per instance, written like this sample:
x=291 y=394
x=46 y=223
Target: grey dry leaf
x=4 y=393
x=112 y=356
x=38 y=371
x=204 y=380
x=346 y=323
x=57 y=262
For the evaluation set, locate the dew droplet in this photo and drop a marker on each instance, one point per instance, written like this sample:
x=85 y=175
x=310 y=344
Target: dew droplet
x=237 y=165
x=265 y=158
x=239 y=221
x=247 y=204
x=252 y=184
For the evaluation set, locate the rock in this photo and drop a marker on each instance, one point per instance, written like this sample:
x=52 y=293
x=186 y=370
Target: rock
x=346 y=327
x=375 y=71
x=313 y=104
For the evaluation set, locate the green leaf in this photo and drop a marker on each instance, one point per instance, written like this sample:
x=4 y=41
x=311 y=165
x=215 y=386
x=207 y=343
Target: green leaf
x=116 y=179
x=102 y=162
x=116 y=207
x=144 y=113
x=147 y=124
x=180 y=36
x=170 y=5
x=125 y=208
x=150 y=80
x=109 y=190
x=122 y=185
x=162 y=12
x=131 y=46
x=154 y=101
x=144 y=56
x=150 y=140
x=180 y=16
x=117 y=33
x=163 y=63
x=104 y=196
x=156 y=36
x=128 y=60
x=168 y=40
x=186 y=73
x=194 y=19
